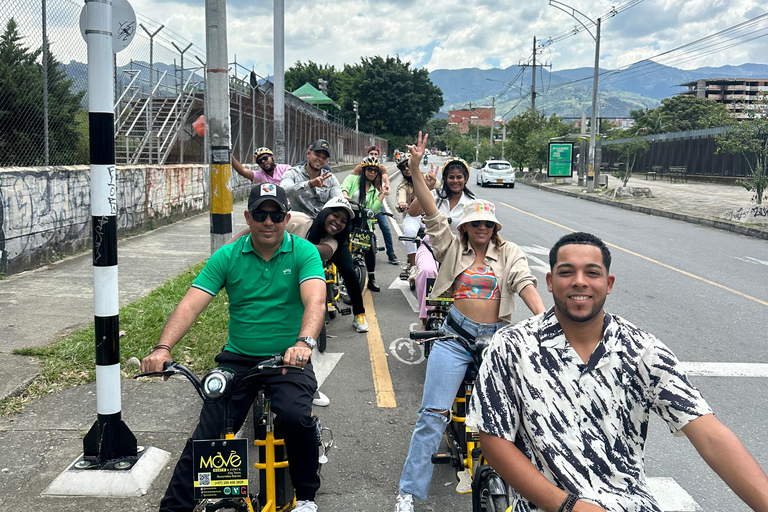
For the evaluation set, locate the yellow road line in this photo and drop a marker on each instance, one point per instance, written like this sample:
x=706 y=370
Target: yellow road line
x=670 y=267
x=382 y=381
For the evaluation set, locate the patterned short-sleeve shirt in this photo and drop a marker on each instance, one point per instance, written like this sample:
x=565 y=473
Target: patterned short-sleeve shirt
x=583 y=426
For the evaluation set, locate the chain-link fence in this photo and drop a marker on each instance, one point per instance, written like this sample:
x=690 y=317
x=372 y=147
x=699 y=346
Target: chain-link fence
x=159 y=92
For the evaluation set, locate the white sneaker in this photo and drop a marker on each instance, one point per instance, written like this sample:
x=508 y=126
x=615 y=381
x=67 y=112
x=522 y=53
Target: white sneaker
x=404 y=503
x=412 y=273
x=360 y=323
x=321 y=400
x=305 y=506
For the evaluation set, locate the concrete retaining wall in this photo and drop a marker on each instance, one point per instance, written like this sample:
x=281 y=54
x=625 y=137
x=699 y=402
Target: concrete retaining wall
x=45 y=212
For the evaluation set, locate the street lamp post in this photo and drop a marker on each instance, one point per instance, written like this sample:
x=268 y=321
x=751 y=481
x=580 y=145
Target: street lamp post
x=593 y=129
x=477 y=142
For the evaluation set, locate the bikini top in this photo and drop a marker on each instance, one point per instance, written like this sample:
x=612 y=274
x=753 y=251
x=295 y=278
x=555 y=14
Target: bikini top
x=477 y=282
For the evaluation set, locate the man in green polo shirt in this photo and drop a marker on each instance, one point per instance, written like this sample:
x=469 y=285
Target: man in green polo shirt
x=276 y=288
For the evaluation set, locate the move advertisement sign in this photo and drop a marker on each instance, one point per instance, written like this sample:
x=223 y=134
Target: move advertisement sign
x=220 y=468
x=560 y=162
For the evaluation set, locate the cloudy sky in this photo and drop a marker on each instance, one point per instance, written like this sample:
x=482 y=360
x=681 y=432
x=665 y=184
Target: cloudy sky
x=467 y=33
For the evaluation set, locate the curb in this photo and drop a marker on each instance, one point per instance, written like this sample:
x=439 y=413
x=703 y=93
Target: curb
x=712 y=223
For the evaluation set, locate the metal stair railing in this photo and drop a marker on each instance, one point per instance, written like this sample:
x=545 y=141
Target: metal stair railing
x=145 y=137
x=136 y=90
x=181 y=114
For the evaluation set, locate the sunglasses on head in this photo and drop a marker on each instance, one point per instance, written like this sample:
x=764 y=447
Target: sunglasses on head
x=261 y=216
x=477 y=223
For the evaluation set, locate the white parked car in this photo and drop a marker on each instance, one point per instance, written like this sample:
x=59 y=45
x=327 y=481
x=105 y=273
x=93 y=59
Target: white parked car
x=496 y=172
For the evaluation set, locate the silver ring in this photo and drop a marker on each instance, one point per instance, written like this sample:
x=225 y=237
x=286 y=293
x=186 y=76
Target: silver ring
x=299 y=359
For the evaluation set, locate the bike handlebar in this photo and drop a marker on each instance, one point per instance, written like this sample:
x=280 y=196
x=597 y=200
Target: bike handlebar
x=440 y=333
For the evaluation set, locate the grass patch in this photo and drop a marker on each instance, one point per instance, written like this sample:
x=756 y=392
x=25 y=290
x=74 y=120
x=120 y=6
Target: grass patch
x=71 y=360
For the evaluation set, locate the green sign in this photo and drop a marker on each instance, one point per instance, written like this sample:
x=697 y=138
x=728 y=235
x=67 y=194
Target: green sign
x=560 y=160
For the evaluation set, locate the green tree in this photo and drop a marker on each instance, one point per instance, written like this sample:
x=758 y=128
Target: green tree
x=437 y=128
x=21 y=99
x=518 y=129
x=393 y=98
x=681 y=113
x=311 y=73
x=750 y=138
x=628 y=152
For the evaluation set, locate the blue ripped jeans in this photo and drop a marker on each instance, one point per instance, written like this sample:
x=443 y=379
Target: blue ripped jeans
x=446 y=366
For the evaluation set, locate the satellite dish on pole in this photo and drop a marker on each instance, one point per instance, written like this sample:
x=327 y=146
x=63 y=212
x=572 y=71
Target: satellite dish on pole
x=123 y=24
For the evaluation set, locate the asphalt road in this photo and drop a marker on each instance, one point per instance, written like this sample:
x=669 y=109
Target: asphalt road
x=701 y=291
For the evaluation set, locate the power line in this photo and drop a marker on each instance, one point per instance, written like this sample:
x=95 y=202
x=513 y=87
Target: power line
x=613 y=11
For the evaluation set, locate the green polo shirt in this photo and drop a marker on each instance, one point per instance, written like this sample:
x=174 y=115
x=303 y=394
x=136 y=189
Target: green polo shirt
x=265 y=307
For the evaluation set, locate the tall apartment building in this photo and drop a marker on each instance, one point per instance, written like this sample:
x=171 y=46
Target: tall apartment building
x=737 y=94
x=463 y=118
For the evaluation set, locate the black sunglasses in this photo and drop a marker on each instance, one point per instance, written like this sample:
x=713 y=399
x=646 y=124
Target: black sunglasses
x=488 y=223
x=262 y=159
x=261 y=216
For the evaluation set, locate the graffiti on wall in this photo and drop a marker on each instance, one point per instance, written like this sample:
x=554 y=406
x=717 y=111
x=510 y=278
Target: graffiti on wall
x=42 y=209
x=46 y=210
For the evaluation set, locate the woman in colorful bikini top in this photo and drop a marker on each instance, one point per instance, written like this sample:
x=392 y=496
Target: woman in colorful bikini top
x=484 y=273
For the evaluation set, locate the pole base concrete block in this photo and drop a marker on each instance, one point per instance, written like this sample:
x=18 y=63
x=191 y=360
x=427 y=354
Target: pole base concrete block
x=110 y=483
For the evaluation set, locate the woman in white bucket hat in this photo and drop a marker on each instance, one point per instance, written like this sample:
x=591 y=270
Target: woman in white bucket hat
x=483 y=273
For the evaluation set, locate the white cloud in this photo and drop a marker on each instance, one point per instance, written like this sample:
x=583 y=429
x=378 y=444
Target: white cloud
x=453 y=33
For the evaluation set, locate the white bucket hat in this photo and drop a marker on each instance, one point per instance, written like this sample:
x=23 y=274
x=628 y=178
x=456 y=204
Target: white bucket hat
x=480 y=209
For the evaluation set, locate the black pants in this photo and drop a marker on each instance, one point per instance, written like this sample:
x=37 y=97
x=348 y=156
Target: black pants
x=343 y=261
x=292 y=403
x=370 y=259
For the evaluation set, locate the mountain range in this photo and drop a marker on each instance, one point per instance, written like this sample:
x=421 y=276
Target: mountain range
x=567 y=92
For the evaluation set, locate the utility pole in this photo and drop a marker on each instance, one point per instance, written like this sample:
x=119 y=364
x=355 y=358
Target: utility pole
x=533 y=80
x=217 y=92
x=279 y=79
x=493 y=117
x=595 y=171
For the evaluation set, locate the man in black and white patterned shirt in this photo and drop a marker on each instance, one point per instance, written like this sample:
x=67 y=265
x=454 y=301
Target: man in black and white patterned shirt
x=562 y=400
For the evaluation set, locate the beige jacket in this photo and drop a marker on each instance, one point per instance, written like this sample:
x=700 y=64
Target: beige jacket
x=508 y=261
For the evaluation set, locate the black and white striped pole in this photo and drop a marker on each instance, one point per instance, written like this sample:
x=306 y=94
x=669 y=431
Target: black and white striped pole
x=109 y=443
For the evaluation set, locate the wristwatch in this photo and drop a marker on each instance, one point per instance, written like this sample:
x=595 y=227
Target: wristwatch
x=309 y=340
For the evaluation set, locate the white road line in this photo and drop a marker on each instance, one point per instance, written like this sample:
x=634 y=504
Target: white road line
x=403 y=286
x=324 y=363
x=671 y=497
x=536 y=263
x=693 y=369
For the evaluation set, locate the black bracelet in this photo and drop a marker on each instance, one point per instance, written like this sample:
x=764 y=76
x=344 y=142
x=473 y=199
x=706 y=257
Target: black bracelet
x=163 y=347
x=568 y=503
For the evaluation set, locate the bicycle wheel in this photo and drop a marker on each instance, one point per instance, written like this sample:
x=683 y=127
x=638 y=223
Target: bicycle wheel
x=322 y=339
x=361 y=272
x=489 y=492
x=330 y=298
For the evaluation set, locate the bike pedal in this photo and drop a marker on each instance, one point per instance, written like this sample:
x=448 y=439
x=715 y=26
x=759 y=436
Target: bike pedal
x=441 y=458
x=404 y=276
x=331 y=308
x=465 y=482
x=345 y=311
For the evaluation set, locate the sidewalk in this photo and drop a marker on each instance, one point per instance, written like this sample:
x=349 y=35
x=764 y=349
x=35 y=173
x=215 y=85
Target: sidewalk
x=698 y=203
x=38 y=306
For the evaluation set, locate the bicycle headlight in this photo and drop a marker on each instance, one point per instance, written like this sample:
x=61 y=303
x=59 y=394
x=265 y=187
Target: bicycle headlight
x=217 y=383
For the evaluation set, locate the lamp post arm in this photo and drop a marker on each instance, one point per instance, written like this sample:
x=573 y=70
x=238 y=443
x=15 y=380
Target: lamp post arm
x=572 y=13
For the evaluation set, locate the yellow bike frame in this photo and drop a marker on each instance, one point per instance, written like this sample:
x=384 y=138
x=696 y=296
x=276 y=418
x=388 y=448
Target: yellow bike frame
x=270 y=465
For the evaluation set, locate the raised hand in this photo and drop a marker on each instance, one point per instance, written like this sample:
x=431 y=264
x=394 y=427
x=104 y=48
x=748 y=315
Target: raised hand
x=431 y=177
x=417 y=150
x=319 y=182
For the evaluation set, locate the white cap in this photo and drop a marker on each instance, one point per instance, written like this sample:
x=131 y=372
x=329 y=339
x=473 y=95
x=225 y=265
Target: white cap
x=339 y=202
